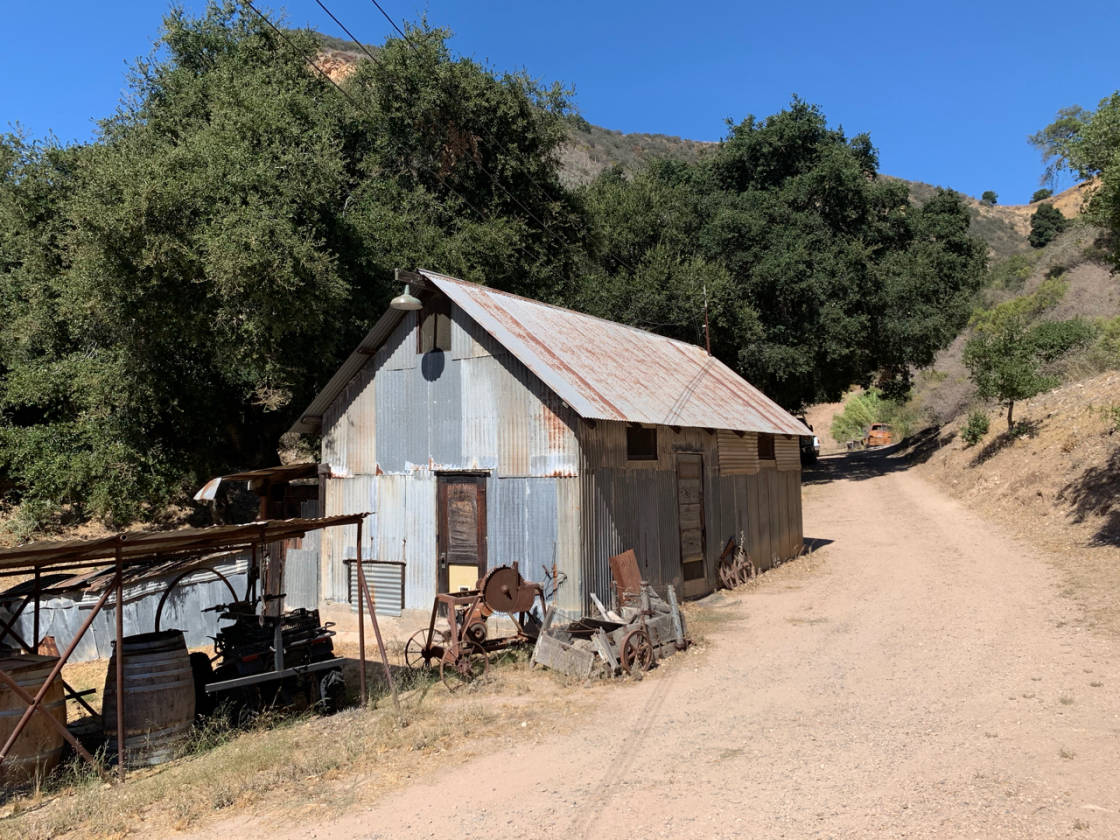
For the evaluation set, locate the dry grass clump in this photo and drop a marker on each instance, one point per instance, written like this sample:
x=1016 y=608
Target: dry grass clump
x=281 y=756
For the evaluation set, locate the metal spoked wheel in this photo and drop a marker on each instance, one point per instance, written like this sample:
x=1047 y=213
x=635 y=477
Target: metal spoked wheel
x=637 y=652
x=467 y=667
x=418 y=656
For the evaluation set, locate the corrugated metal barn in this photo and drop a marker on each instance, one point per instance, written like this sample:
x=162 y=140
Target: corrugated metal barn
x=487 y=428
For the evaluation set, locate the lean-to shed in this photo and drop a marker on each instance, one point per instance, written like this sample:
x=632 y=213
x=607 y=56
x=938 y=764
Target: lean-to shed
x=487 y=428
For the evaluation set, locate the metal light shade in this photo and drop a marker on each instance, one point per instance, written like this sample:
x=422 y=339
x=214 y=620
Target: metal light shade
x=406 y=301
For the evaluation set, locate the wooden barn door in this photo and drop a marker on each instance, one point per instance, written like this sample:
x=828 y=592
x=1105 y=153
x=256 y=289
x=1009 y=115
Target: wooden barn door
x=690 y=505
x=462 y=531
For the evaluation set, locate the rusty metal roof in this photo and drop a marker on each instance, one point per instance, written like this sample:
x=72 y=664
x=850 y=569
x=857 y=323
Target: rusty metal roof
x=147 y=546
x=609 y=371
x=282 y=473
x=602 y=369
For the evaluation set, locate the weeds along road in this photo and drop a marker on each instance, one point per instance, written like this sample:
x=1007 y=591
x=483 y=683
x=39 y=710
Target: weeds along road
x=920 y=676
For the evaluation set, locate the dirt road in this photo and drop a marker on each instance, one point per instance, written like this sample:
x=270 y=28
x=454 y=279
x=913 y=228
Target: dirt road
x=922 y=675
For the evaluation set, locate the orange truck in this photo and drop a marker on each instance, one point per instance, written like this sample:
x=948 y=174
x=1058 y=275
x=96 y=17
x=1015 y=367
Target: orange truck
x=880 y=434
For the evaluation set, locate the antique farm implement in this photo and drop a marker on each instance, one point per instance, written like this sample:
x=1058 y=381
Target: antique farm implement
x=462 y=650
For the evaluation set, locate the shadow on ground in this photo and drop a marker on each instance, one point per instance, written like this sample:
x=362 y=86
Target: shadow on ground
x=861 y=465
x=1094 y=493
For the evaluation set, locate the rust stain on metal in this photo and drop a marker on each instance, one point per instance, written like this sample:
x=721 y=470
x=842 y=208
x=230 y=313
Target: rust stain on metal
x=610 y=371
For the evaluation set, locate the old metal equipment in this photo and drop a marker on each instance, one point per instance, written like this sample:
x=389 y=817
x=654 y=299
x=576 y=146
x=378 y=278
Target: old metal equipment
x=463 y=650
x=263 y=660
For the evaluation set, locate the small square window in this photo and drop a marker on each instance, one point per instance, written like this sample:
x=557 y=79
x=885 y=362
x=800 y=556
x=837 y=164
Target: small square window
x=765 y=446
x=641 y=444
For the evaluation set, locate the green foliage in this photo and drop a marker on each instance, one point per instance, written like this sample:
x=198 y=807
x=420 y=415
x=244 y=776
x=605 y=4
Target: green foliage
x=1012 y=272
x=975 y=427
x=860 y=411
x=1002 y=363
x=871 y=406
x=1053 y=339
x=819 y=274
x=1046 y=223
x=989 y=197
x=1038 y=195
x=1085 y=143
x=171 y=291
x=1007 y=352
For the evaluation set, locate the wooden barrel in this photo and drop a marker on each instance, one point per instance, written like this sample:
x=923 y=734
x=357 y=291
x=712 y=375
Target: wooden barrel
x=37 y=749
x=158 y=697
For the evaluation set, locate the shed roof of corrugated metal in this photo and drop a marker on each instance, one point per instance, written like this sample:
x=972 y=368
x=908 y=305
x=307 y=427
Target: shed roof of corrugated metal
x=609 y=371
x=602 y=369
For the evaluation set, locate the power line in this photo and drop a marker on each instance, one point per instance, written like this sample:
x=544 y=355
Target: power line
x=314 y=65
x=485 y=135
x=561 y=240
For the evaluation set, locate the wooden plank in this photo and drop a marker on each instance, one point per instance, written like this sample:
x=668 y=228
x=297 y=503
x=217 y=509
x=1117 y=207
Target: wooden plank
x=603 y=645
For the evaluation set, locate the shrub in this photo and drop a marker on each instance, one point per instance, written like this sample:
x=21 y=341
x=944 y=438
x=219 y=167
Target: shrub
x=1053 y=339
x=989 y=197
x=1041 y=194
x=1012 y=272
x=1046 y=223
x=975 y=427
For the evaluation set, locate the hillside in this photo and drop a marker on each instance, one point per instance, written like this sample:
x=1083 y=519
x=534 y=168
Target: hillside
x=1093 y=291
x=1057 y=486
x=592 y=149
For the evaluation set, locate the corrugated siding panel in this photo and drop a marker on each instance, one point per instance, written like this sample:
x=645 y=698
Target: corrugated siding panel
x=399 y=350
x=522 y=525
x=386 y=583
x=301 y=578
x=468 y=340
x=349 y=431
x=345 y=495
x=480 y=411
x=513 y=425
x=787 y=452
x=568 y=544
x=444 y=400
x=395 y=417
x=553 y=445
x=738 y=455
x=421 y=527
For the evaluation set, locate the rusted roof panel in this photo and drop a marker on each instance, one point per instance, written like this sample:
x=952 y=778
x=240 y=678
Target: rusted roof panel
x=146 y=546
x=609 y=371
x=284 y=472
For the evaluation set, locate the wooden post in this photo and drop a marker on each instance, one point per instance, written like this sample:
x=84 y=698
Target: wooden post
x=377 y=632
x=361 y=624
x=120 y=668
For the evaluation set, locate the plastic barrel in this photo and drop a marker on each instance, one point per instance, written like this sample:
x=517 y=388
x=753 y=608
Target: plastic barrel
x=158 y=697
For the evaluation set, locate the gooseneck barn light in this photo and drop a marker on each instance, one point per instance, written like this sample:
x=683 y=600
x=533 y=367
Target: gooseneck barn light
x=406 y=301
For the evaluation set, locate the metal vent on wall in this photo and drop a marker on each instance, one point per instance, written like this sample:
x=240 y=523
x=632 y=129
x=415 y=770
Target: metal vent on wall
x=386 y=582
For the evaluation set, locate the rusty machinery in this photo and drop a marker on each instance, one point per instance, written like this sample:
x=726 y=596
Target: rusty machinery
x=463 y=650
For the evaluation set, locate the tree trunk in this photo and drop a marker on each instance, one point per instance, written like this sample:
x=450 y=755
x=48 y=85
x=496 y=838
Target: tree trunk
x=1010 y=409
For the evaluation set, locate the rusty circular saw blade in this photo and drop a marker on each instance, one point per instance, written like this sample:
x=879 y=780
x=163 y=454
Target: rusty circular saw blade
x=504 y=591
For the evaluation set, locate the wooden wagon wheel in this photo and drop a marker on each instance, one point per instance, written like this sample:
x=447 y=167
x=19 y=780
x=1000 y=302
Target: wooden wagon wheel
x=418 y=655
x=469 y=665
x=636 y=652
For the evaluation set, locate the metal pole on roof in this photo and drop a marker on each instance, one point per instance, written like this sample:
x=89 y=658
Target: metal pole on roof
x=707 y=335
x=120 y=667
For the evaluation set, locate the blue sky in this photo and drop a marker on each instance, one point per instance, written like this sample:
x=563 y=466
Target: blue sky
x=948 y=91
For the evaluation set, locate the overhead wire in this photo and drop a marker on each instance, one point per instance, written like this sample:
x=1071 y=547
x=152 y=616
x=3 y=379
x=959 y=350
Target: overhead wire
x=558 y=238
x=485 y=135
x=358 y=106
